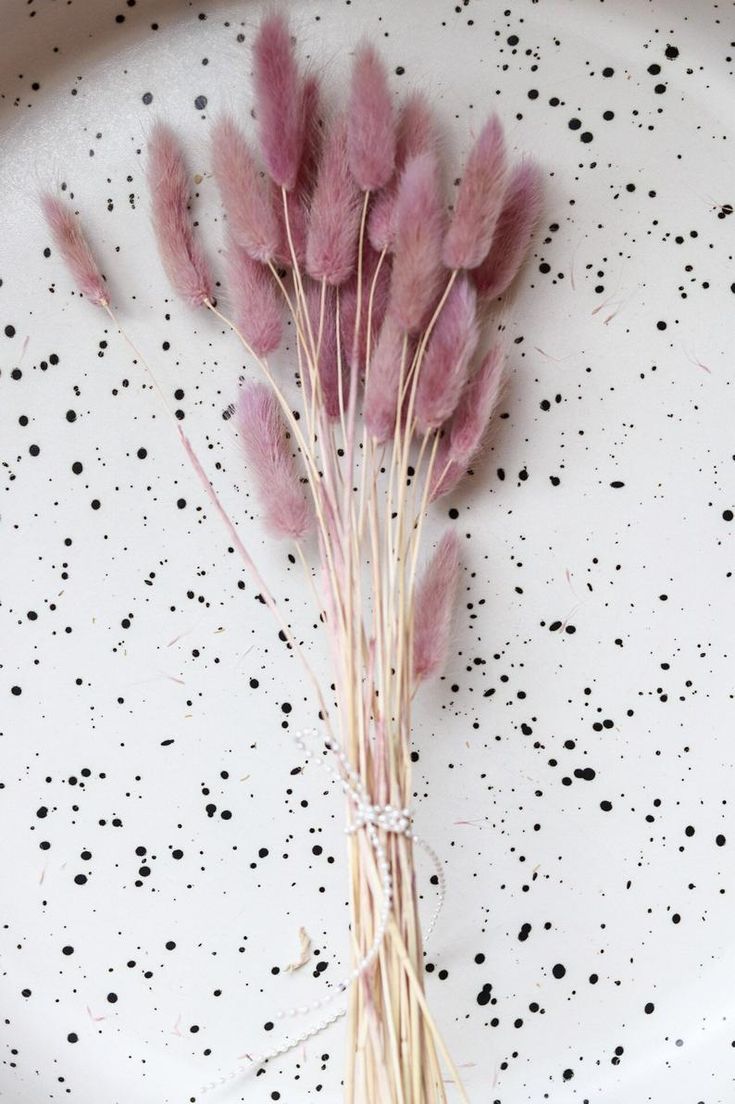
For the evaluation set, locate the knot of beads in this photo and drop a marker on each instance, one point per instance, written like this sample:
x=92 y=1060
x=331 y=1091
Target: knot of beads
x=387 y=817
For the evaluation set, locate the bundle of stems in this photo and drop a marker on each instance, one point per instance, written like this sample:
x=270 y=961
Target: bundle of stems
x=388 y=293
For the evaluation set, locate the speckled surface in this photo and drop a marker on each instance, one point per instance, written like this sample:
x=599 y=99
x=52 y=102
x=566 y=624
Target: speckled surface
x=159 y=849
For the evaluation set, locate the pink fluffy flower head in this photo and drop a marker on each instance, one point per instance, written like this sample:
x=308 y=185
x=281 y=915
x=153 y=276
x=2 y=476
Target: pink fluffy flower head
x=382 y=387
x=476 y=406
x=248 y=198
x=515 y=227
x=268 y=452
x=180 y=252
x=331 y=244
x=419 y=225
x=479 y=199
x=416 y=133
x=68 y=236
x=372 y=136
x=433 y=608
x=279 y=104
x=255 y=302
x=443 y=371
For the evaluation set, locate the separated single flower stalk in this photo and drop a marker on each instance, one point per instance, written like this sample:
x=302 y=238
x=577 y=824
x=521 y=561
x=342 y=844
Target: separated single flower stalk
x=389 y=290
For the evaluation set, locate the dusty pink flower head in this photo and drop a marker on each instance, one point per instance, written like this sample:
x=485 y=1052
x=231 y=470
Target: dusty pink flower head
x=279 y=103
x=283 y=500
x=419 y=225
x=68 y=236
x=433 y=608
x=416 y=133
x=372 y=136
x=515 y=227
x=382 y=386
x=248 y=198
x=254 y=297
x=299 y=198
x=479 y=199
x=334 y=217
x=443 y=370
x=180 y=252
x=476 y=406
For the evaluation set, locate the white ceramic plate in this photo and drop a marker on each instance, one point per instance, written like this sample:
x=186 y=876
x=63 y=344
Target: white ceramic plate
x=584 y=808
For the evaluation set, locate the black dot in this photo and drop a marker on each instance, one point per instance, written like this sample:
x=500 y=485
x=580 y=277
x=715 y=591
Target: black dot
x=142 y=453
x=533 y=93
x=200 y=103
x=71 y=415
x=72 y=1037
x=671 y=52
x=67 y=950
x=727 y=515
x=654 y=69
x=648 y=1009
x=77 y=467
x=720 y=841
x=586 y=136
x=10 y=331
x=112 y=998
x=80 y=879
x=95 y=504
x=607 y=71
x=400 y=70
x=660 y=325
x=34 y=450
x=16 y=690
x=574 y=124
x=558 y=971
x=147 y=98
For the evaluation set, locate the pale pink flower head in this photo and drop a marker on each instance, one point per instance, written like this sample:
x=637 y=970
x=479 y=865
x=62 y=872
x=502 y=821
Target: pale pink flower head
x=334 y=217
x=256 y=306
x=516 y=225
x=181 y=254
x=479 y=199
x=247 y=196
x=372 y=135
x=68 y=237
x=416 y=133
x=419 y=226
x=267 y=448
x=475 y=408
x=383 y=383
x=433 y=608
x=443 y=370
x=279 y=103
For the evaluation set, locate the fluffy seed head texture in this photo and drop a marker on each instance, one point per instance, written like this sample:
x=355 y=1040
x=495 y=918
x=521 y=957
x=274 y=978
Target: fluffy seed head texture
x=68 y=236
x=443 y=371
x=334 y=218
x=383 y=383
x=168 y=182
x=479 y=199
x=372 y=136
x=416 y=133
x=419 y=225
x=476 y=406
x=256 y=306
x=247 y=197
x=433 y=608
x=278 y=101
x=263 y=432
x=516 y=224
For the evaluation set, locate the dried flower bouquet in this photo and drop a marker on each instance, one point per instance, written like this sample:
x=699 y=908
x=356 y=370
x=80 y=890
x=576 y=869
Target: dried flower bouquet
x=348 y=238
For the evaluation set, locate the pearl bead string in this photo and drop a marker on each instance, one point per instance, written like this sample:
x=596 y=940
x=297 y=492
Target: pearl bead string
x=372 y=818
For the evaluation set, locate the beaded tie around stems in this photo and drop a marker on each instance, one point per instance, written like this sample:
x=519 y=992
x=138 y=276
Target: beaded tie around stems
x=372 y=818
